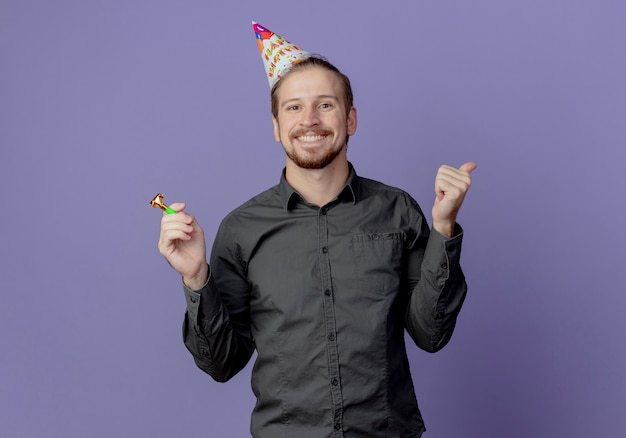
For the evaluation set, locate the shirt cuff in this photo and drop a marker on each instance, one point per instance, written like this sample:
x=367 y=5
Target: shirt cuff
x=192 y=298
x=202 y=303
x=443 y=252
x=458 y=233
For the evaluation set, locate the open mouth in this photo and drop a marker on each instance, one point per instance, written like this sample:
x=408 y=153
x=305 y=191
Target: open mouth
x=310 y=138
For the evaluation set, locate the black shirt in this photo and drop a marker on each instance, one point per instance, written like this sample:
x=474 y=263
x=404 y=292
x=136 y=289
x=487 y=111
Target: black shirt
x=324 y=295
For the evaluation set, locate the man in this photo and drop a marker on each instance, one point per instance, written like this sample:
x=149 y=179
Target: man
x=322 y=274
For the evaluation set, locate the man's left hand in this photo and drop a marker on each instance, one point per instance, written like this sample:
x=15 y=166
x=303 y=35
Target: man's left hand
x=451 y=186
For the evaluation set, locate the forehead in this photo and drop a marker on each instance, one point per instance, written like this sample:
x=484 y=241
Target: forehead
x=308 y=83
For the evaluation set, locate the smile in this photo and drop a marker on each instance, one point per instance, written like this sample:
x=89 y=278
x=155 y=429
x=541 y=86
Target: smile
x=311 y=138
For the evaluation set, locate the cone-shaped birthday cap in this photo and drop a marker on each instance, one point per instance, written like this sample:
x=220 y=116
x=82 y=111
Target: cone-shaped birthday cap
x=277 y=53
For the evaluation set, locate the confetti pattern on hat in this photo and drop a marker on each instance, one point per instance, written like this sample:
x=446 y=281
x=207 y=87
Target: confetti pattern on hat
x=277 y=53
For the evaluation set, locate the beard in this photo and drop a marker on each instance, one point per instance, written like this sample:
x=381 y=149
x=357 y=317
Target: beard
x=313 y=161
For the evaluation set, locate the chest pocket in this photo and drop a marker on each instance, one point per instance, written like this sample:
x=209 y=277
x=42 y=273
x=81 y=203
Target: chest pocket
x=378 y=261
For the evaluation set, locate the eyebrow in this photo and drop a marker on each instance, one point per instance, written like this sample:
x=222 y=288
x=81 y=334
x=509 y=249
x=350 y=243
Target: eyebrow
x=318 y=97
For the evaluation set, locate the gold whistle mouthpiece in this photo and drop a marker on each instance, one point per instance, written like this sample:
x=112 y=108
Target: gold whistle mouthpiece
x=157 y=201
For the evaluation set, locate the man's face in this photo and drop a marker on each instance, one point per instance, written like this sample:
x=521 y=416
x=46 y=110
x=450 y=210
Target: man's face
x=312 y=123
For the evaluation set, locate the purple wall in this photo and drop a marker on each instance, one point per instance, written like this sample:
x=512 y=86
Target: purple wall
x=105 y=103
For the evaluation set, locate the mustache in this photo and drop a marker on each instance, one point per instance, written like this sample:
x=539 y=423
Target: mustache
x=310 y=131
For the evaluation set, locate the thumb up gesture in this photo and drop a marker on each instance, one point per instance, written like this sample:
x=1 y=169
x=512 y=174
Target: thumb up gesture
x=451 y=186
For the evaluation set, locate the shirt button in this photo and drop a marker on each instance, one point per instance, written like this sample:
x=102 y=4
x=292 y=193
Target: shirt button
x=444 y=266
x=193 y=299
x=439 y=315
x=324 y=210
x=324 y=250
x=327 y=292
x=331 y=337
x=337 y=426
x=335 y=382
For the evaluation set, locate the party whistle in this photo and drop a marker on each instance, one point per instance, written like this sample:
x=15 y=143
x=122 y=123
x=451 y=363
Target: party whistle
x=157 y=201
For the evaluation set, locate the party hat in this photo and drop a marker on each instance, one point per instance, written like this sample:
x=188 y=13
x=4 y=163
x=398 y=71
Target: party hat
x=277 y=53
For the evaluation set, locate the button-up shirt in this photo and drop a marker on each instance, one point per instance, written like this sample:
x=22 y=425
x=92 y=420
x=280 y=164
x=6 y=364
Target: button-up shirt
x=325 y=295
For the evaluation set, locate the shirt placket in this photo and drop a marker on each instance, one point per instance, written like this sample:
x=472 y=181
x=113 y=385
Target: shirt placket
x=330 y=325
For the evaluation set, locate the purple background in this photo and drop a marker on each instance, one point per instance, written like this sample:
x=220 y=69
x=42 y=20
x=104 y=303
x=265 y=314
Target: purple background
x=105 y=103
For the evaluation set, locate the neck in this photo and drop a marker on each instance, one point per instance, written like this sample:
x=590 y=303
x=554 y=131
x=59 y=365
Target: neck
x=318 y=186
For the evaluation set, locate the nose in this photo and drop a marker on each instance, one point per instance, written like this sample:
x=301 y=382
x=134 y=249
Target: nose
x=310 y=117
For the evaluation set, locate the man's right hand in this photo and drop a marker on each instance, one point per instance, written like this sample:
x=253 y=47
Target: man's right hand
x=182 y=244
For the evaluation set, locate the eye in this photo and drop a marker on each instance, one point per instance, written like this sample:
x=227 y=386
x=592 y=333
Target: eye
x=293 y=107
x=325 y=106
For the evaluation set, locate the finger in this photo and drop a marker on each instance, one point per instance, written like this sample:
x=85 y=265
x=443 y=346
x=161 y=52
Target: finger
x=169 y=237
x=171 y=225
x=176 y=206
x=447 y=175
x=176 y=230
x=451 y=183
x=176 y=226
x=462 y=172
x=180 y=217
x=468 y=167
x=452 y=189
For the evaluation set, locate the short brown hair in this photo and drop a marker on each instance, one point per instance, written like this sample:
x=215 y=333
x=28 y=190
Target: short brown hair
x=310 y=62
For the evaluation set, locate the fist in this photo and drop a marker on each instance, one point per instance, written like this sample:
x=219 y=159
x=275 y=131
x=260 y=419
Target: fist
x=451 y=186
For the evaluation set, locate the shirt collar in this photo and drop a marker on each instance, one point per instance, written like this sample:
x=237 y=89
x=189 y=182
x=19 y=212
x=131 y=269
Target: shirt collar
x=350 y=193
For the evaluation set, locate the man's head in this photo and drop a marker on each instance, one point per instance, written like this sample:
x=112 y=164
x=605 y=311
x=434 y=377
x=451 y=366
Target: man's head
x=313 y=62
x=313 y=114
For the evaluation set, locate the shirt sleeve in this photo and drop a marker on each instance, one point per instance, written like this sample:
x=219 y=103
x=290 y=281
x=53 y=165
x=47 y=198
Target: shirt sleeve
x=437 y=288
x=215 y=332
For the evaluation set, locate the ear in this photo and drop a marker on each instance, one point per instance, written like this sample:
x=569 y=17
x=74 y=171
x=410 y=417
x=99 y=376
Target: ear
x=276 y=129
x=351 y=121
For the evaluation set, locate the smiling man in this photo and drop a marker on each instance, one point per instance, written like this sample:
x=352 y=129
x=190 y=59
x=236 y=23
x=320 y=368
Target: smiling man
x=323 y=273
x=313 y=123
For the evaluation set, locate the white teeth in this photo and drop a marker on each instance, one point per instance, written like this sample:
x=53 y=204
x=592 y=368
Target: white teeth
x=310 y=138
